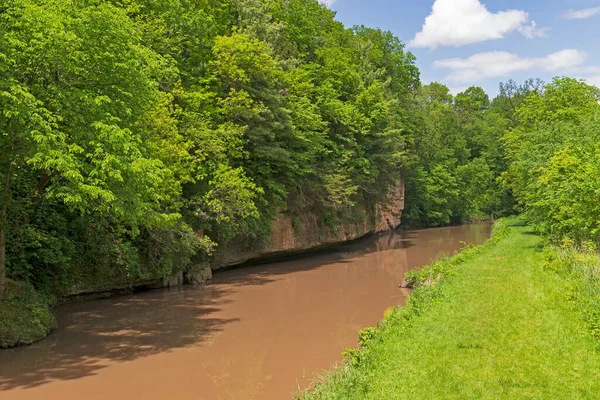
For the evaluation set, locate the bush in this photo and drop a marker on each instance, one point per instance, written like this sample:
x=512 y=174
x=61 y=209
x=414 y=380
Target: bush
x=26 y=317
x=580 y=267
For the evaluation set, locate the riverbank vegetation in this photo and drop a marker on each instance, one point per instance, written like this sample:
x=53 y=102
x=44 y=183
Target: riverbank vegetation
x=26 y=316
x=493 y=322
x=138 y=136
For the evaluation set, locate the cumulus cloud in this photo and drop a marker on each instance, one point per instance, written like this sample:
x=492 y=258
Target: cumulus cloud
x=590 y=74
x=462 y=22
x=532 y=31
x=500 y=63
x=581 y=14
x=593 y=80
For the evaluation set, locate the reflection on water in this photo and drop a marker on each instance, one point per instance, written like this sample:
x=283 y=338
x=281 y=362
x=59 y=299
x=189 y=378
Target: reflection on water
x=254 y=333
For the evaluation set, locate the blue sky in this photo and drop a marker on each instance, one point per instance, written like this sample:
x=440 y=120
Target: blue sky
x=471 y=42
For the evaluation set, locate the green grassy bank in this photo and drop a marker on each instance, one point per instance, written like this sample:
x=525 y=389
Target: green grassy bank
x=494 y=322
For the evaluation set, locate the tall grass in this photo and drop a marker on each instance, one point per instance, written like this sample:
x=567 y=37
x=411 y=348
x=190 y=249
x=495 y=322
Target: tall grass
x=580 y=267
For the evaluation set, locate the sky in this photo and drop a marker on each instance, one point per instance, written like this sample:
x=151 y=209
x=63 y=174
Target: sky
x=463 y=43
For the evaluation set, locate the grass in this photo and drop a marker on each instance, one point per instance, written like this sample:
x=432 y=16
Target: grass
x=491 y=323
x=580 y=267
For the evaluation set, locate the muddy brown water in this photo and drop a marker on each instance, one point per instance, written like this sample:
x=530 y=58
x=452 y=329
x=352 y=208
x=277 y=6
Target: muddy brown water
x=258 y=332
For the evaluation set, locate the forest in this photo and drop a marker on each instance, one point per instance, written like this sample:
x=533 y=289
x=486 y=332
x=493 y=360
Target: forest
x=139 y=135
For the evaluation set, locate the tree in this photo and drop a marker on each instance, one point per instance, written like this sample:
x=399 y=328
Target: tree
x=552 y=154
x=73 y=85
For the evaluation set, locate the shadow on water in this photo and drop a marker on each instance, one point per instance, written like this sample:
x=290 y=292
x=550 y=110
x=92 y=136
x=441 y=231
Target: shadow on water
x=93 y=335
x=120 y=329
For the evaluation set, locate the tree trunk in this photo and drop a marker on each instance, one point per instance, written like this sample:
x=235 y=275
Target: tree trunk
x=3 y=228
x=3 y=223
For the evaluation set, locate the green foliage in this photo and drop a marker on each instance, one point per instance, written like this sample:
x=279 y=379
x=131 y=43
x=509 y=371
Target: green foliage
x=459 y=155
x=580 y=268
x=139 y=135
x=553 y=155
x=25 y=316
x=439 y=193
x=75 y=83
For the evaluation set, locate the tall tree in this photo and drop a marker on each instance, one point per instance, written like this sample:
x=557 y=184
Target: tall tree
x=73 y=85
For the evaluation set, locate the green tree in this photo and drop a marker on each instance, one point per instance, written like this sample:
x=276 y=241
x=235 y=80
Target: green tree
x=73 y=85
x=552 y=154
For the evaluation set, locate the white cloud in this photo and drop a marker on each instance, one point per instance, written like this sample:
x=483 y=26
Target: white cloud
x=461 y=22
x=532 y=31
x=581 y=14
x=563 y=59
x=593 y=80
x=589 y=70
x=454 y=90
x=499 y=63
x=590 y=74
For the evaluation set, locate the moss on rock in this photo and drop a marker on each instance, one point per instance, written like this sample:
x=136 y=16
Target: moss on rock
x=24 y=320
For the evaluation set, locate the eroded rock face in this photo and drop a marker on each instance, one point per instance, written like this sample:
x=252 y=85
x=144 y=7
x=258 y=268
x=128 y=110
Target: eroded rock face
x=169 y=281
x=391 y=212
x=308 y=232
x=197 y=276
x=290 y=235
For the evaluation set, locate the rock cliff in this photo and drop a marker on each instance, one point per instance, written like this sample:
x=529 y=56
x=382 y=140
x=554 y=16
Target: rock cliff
x=307 y=232
x=289 y=236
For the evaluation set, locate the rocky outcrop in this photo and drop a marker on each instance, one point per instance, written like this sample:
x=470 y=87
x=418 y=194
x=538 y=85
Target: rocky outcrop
x=307 y=232
x=290 y=235
x=169 y=281
x=85 y=290
x=197 y=276
x=390 y=212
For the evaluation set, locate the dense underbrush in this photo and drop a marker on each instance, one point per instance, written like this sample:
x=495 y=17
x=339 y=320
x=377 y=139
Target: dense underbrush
x=25 y=316
x=580 y=268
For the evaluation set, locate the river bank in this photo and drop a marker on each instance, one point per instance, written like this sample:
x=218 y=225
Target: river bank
x=257 y=332
x=27 y=315
x=25 y=320
x=499 y=324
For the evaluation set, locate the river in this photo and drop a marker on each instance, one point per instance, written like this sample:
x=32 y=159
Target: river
x=257 y=332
